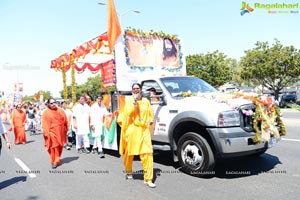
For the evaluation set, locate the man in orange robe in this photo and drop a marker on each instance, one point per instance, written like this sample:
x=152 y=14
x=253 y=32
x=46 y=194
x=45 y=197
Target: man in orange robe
x=18 y=124
x=55 y=126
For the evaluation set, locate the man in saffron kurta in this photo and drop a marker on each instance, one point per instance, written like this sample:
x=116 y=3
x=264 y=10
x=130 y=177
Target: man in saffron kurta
x=135 y=134
x=55 y=126
x=18 y=124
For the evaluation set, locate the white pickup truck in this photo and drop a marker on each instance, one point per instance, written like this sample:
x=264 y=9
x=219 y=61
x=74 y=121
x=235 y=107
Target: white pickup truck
x=195 y=127
x=198 y=130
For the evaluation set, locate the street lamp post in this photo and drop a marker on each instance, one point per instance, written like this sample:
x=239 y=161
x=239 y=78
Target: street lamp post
x=120 y=15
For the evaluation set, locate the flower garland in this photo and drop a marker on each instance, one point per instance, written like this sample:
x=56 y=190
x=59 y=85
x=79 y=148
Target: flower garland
x=280 y=122
x=187 y=94
x=264 y=123
x=267 y=122
x=266 y=119
x=142 y=33
x=73 y=84
x=64 y=77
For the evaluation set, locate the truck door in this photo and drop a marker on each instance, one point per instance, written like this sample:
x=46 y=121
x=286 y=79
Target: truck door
x=160 y=111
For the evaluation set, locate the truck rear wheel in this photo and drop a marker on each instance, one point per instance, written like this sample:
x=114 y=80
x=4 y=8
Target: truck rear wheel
x=195 y=155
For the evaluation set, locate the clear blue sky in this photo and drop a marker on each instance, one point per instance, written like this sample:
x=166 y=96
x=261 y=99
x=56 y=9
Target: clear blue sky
x=33 y=32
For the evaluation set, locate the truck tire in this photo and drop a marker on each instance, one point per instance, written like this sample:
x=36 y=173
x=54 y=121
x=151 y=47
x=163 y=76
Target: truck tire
x=195 y=155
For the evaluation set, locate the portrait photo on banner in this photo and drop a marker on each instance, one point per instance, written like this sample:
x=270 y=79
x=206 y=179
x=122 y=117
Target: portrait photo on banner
x=152 y=51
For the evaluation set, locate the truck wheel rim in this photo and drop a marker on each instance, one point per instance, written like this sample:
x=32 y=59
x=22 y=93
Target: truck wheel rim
x=192 y=155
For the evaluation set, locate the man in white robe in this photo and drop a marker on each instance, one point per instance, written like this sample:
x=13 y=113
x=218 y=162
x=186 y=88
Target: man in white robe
x=98 y=111
x=81 y=121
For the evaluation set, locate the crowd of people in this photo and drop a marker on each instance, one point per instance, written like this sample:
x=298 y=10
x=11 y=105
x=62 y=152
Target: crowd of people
x=26 y=117
x=62 y=127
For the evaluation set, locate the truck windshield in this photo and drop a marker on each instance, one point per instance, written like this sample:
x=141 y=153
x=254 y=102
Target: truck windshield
x=186 y=86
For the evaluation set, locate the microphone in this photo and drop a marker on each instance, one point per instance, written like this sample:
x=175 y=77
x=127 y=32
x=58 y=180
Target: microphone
x=135 y=96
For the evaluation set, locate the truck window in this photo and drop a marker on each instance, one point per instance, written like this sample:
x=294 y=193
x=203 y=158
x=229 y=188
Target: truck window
x=177 y=85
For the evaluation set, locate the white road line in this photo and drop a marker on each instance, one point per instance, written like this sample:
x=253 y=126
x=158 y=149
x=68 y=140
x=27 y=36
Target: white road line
x=25 y=168
x=294 y=140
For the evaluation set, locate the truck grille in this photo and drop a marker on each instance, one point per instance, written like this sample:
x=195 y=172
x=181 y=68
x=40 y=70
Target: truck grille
x=246 y=119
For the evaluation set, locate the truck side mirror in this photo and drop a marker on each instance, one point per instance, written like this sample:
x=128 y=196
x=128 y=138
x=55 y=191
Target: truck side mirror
x=162 y=100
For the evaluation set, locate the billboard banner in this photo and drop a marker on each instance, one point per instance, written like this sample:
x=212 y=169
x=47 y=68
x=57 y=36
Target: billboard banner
x=140 y=56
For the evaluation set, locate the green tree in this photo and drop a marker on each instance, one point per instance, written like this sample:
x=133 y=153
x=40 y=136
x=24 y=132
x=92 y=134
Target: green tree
x=69 y=92
x=92 y=86
x=46 y=94
x=28 y=98
x=236 y=69
x=272 y=67
x=214 y=67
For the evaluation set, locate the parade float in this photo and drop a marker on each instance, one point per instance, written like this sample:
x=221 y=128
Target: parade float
x=121 y=67
x=192 y=120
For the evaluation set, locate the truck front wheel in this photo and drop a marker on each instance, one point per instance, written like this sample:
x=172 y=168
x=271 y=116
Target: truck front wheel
x=195 y=155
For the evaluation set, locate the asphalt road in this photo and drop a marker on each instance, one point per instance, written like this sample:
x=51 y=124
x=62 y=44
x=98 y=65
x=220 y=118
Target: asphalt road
x=273 y=175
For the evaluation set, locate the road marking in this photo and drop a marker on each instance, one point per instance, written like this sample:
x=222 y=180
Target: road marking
x=294 y=140
x=25 y=168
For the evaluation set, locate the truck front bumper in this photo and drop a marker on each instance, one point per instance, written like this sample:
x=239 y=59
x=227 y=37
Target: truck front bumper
x=230 y=141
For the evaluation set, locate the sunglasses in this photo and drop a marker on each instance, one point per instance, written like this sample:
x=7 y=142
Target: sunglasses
x=52 y=103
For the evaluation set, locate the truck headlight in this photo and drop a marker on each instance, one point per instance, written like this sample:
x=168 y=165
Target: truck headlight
x=229 y=118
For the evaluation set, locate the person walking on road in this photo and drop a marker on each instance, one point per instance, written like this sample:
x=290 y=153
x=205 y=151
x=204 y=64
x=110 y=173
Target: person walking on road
x=4 y=135
x=55 y=127
x=98 y=111
x=18 y=124
x=69 y=114
x=135 y=134
x=81 y=121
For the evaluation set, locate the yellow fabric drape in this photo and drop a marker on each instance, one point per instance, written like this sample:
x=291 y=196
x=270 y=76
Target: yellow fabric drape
x=147 y=164
x=135 y=133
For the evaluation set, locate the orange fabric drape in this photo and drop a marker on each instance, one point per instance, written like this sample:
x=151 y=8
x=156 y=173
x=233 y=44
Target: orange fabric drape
x=114 y=28
x=106 y=101
x=55 y=126
x=55 y=154
x=18 y=121
x=121 y=109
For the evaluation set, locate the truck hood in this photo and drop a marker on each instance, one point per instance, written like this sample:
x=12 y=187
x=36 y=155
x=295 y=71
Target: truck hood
x=209 y=104
x=219 y=101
